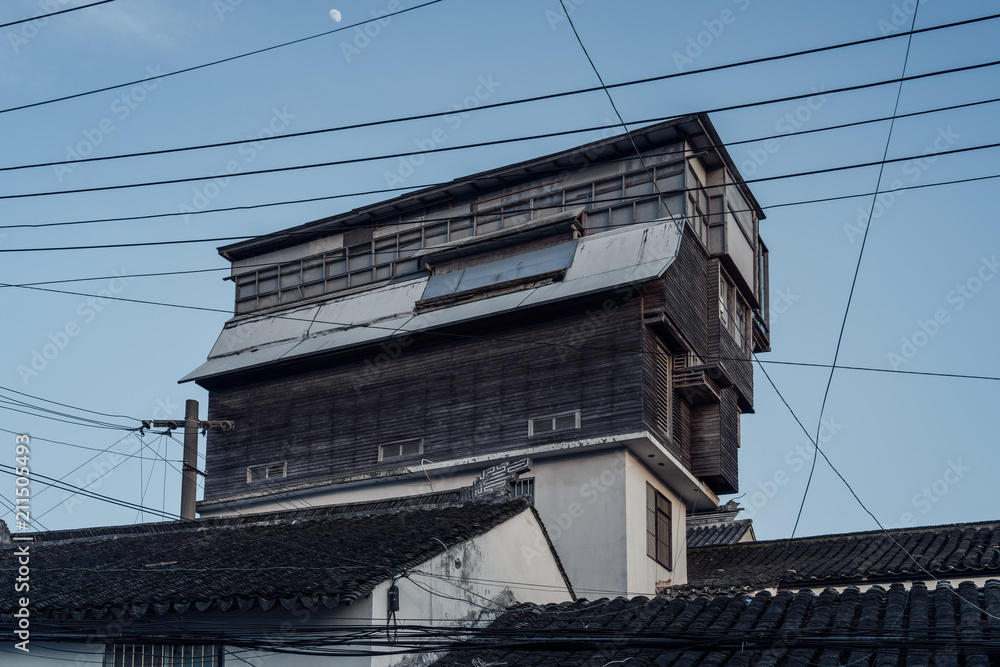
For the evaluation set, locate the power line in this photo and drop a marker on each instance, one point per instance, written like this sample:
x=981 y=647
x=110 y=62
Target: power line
x=402 y=331
x=811 y=172
x=664 y=77
x=32 y=105
x=66 y=405
x=61 y=11
x=346 y=161
x=854 y=282
x=728 y=144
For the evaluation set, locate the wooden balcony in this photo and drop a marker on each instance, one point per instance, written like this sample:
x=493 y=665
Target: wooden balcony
x=699 y=384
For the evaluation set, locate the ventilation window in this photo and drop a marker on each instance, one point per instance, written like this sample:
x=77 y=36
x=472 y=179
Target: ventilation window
x=265 y=471
x=160 y=655
x=564 y=421
x=524 y=487
x=401 y=449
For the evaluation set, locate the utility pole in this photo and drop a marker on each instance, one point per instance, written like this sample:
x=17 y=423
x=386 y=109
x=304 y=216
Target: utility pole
x=189 y=467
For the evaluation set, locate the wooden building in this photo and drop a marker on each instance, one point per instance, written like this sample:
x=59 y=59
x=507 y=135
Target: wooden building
x=591 y=309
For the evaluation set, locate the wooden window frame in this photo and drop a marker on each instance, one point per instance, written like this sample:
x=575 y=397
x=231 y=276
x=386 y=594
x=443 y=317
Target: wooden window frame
x=659 y=527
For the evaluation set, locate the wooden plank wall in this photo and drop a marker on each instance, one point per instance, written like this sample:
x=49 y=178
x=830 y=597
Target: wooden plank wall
x=715 y=443
x=660 y=403
x=721 y=345
x=465 y=395
x=685 y=282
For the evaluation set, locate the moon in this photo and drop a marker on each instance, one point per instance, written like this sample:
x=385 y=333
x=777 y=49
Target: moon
x=335 y=15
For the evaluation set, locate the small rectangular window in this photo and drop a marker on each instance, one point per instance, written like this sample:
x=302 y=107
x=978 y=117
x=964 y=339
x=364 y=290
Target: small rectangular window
x=163 y=655
x=525 y=487
x=401 y=449
x=658 y=526
x=264 y=471
x=563 y=421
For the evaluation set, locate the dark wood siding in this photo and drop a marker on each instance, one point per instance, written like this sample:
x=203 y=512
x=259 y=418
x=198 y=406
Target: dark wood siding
x=467 y=393
x=660 y=403
x=722 y=348
x=684 y=285
x=715 y=443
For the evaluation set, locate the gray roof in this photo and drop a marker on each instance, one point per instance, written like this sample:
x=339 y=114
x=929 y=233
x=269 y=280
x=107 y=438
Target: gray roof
x=322 y=556
x=953 y=551
x=718 y=534
x=946 y=625
x=600 y=262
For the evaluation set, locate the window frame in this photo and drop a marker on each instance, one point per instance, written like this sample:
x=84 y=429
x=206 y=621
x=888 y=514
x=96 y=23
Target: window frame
x=659 y=527
x=163 y=655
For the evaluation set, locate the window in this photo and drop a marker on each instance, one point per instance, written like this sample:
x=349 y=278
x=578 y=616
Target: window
x=564 y=421
x=155 y=655
x=658 y=526
x=734 y=314
x=401 y=449
x=259 y=473
x=525 y=487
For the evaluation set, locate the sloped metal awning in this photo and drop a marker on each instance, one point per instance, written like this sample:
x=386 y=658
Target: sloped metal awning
x=607 y=260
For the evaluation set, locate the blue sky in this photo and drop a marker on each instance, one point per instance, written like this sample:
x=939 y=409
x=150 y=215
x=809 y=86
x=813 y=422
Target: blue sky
x=917 y=450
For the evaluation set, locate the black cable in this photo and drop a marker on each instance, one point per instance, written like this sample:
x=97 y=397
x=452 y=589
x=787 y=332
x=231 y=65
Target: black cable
x=61 y=11
x=288 y=168
x=66 y=405
x=217 y=62
x=811 y=172
x=854 y=282
x=729 y=144
x=400 y=331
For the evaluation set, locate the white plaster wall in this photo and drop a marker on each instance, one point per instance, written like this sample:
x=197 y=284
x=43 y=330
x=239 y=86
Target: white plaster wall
x=644 y=573
x=473 y=581
x=581 y=498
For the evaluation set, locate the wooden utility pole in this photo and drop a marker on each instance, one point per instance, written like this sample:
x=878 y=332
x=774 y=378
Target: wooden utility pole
x=189 y=467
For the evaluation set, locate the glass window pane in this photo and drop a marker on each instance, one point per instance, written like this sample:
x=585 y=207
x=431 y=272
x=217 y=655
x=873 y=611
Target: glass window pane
x=335 y=267
x=435 y=234
x=290 y=275
x=359 y=256
x=638 y=184
x=647 y=210
x=597 y=221
x=621 y=215
x=268 y=281
x=312 y=270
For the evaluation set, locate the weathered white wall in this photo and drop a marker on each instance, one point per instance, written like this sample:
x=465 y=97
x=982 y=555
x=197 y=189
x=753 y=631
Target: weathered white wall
x=644 y=573
x=582 y=500
x=474 y=581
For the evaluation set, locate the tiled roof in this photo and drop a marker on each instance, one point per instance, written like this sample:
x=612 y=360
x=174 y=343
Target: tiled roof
x=717 y=534
x=323 y=555
x=951 y=551
x=895 y=626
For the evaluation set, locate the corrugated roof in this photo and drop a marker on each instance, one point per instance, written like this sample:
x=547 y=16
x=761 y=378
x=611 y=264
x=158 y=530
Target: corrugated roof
x=895 y=626
x=601 y=262
x=956 y=550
